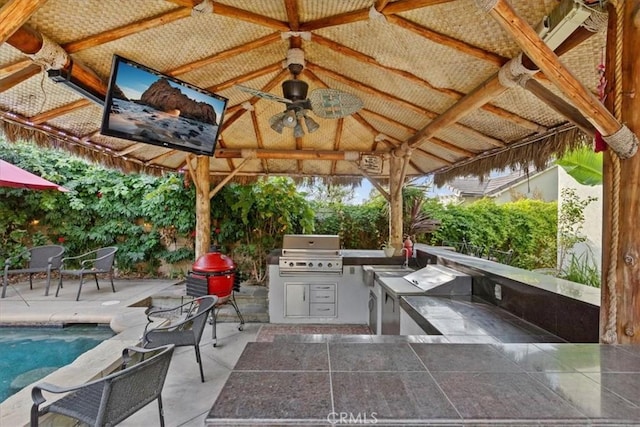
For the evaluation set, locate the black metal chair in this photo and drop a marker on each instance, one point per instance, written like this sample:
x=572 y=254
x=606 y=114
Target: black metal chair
x=42 y=259
x=108 y=401
x=186 y=332
x=99 y=261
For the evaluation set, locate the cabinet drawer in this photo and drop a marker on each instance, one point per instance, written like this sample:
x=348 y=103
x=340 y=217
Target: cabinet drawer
x=319 y=287
x=322 y=310
x=322 y=296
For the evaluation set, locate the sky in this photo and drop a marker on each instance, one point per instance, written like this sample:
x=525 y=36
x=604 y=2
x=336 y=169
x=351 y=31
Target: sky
x=362 y=192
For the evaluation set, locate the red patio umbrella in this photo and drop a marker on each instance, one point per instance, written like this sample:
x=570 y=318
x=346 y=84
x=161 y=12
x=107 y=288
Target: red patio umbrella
x=13 y=176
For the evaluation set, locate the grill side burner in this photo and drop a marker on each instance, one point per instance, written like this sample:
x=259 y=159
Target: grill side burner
x=304 y=254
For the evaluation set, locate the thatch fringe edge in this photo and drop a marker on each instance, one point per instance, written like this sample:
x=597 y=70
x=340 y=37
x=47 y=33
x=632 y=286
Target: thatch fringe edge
x=533 y=152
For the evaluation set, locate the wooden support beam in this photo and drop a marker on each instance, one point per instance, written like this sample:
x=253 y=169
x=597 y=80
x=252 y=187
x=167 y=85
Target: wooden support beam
x=228 y=178
x=14 y=14
x=620 y=301
x=395 y=202
x=203 y=207
x=375 y=183
x=29 y=42
x=227 y=153
x=537 y=50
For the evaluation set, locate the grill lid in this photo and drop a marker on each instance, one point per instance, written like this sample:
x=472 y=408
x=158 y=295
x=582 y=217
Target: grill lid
x=213 y=262
x=311 y=242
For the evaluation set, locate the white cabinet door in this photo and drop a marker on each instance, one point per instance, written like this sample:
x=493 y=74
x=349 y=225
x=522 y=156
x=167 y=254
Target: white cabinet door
x=296 y=300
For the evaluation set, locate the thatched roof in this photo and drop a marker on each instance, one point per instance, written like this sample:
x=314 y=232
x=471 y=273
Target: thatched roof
x=409 y=63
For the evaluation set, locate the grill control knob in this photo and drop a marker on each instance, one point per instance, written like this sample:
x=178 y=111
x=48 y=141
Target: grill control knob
x=320 y=264
x=290 y=264
x=310 y=264
x=329 y=265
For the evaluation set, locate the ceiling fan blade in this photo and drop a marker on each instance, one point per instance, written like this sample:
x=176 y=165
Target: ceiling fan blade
x=264 y=95
x=333 y=103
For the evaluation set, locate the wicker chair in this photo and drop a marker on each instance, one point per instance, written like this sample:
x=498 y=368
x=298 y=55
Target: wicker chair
x=42 y=259
x=110 y=400
x=186 y=332
x=99 y=261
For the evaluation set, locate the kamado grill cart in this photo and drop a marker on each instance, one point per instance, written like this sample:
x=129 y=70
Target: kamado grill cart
x=215 y=274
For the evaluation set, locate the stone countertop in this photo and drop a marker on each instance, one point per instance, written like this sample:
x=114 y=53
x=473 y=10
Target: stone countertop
x=407 y=382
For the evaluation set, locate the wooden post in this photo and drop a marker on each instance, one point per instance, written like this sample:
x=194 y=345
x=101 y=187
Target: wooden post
x=627 y=254
x=395 y=202
x=203 y=207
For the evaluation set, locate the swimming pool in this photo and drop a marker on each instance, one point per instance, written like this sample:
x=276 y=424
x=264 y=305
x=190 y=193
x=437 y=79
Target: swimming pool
x=28 y=354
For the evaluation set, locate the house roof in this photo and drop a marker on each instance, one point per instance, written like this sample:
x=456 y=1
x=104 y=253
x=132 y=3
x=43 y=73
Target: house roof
x=471 y=186
x=413 y=63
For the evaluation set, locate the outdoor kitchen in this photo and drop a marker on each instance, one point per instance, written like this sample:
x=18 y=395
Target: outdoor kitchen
x=438 y=292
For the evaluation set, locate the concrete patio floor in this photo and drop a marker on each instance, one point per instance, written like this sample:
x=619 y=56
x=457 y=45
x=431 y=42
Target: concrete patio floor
x=186 y=399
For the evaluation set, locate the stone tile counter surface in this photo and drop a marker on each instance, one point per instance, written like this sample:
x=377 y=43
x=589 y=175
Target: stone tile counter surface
x=413 y=383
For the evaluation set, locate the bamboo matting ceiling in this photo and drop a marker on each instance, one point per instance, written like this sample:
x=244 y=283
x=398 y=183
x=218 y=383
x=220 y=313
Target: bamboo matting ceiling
x=408 y=67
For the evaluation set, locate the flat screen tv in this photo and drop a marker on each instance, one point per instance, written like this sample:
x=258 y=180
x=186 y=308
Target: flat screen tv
x=145 y=105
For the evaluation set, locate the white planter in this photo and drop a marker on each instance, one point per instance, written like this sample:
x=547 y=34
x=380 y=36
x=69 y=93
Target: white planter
x=389 y=251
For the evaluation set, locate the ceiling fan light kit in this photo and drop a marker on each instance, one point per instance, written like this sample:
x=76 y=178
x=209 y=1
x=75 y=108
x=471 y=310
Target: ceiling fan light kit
x=324 y=103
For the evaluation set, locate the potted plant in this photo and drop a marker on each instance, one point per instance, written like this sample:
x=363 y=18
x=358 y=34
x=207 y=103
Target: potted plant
x=388 y=248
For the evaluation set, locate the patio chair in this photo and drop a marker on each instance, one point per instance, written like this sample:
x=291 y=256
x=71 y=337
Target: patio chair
x=99 y=261
x=186 y=332
x=42 y=259
x=109 y=400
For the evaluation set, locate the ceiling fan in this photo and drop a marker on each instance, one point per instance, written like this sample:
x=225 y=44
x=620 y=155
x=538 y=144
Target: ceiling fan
x=324 y=103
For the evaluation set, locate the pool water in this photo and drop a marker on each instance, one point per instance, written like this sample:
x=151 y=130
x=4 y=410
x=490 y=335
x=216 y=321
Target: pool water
x=28 y=354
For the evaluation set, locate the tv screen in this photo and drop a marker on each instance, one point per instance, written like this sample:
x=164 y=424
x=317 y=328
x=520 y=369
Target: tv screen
x=147 y=106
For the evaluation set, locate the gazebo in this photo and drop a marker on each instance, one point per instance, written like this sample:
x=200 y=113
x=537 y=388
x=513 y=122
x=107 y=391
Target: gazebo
x=410 y=88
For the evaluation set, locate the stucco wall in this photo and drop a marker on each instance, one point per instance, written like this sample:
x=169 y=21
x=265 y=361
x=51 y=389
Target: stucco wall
x=541 y=186
x=592 y=226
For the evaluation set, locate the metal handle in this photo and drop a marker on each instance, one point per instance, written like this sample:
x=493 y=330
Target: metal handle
x=304 y=294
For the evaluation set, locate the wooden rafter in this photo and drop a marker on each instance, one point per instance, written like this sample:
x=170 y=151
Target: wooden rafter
x=336 y=141
x=14 y=14
x=60 y=111
x=337 y=47
x=256 y=130
x=126 y=30
x=241 y=14
x=291 y=6
x=445 y=40
x=246 y=77
x=399 y=101
x=363 y=14
x=19 y=76
x=531 y=43
x=485 y=92
x=226 y=54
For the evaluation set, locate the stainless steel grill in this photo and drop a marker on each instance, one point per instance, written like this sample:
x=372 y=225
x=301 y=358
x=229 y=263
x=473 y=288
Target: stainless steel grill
x=304 y=254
